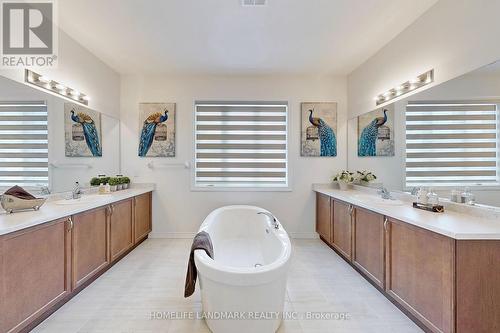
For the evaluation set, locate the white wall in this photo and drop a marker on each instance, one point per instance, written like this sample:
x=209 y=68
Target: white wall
x=62 y=179
x=79 y=69
x=177 y=211
x=453 y=37
x=390 y=170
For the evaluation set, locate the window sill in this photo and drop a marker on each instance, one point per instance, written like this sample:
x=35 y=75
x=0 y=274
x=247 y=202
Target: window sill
x=240 y=189
x=471 y=187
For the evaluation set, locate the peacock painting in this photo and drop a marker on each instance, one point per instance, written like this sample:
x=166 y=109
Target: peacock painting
x=319 y=123
x=375 y=133
x=82 y=131
x=157 y=135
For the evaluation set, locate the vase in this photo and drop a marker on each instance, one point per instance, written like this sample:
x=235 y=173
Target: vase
x=343 y=186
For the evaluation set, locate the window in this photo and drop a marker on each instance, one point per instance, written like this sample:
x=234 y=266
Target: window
x=23 y=144
x=241 y=145
x=451 y=144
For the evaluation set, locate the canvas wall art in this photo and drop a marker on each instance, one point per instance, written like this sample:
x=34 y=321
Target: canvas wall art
x=376 y=132
x=319 y=129
x=82 y=131
x=157 y=130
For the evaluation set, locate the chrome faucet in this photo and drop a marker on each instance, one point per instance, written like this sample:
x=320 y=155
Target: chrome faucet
x=384 y=193
x=44 y=190
x=415 y=190
x=77 y=191
x=271 y=217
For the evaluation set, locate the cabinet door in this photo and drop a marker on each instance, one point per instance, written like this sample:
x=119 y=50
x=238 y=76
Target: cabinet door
x=35 y=271
x=121 y=228
x=478 y=286
x=368 y=248
x=142 y=216
x=420 y=274
x=323 y=217
x=342 y=228
x=89 y=245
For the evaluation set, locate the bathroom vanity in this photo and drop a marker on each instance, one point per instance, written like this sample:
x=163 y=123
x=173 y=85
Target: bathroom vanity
x=48 y=256
x=442 y=270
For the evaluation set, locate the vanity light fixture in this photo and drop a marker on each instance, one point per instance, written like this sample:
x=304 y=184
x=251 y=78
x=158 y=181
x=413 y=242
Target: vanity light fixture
x=45 y=83
x=404 y=88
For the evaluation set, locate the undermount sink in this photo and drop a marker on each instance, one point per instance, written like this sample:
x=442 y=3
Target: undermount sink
x=378 y=200
x=85 y=199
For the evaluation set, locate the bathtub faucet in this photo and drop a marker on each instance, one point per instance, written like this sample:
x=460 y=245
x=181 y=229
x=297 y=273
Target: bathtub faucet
x=273 y=220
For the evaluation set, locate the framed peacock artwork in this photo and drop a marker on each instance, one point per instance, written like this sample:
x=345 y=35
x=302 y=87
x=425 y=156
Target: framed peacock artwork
x=319 y=129
x=157 y=130
x=82 y=131
x=376 y=132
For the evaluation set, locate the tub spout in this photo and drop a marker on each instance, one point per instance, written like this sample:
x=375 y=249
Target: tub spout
x=273 y=220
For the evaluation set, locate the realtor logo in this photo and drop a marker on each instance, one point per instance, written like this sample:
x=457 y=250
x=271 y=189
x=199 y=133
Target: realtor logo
x=28 y=33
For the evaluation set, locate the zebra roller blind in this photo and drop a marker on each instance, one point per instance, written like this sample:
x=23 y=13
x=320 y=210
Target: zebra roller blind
x=451 y=144
x=241 y=145
x=23 y=144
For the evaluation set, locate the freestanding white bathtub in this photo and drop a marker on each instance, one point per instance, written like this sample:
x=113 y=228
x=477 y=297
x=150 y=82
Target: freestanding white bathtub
x=243 y=288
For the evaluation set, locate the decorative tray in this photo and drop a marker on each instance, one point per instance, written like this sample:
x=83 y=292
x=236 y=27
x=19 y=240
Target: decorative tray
x=430 y=208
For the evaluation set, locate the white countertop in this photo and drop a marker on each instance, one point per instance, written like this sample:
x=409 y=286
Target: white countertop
x=457 y=225
x=51 y=211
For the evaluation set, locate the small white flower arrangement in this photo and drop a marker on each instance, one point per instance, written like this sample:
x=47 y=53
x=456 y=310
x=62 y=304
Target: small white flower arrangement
x=365 y=176
x=344 y=178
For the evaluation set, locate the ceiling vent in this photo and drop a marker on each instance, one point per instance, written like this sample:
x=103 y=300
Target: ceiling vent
x=253 y=2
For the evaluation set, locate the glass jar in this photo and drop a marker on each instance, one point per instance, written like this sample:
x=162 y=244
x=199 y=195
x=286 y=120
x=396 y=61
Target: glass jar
x=432 y=198
x=464 y=197
x=422 y=196
x=455 y=195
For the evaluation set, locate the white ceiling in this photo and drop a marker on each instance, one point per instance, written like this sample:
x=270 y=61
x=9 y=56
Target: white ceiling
x=222 y=37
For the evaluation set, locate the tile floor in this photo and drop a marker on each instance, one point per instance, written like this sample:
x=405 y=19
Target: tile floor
x=151 y=278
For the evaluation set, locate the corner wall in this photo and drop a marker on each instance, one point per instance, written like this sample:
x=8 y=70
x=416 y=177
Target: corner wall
x=178 y=211
x=78 y=68
x=453 y=37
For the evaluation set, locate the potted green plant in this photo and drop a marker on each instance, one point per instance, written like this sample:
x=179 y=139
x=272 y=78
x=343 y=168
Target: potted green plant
x=365 y=177
x=105 y=180
x=126 y=182
x=344 y=178
x=113 y=183
x=95 y=181
x=119 y=186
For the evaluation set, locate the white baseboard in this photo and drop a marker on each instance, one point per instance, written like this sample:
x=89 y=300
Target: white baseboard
x=190 y=235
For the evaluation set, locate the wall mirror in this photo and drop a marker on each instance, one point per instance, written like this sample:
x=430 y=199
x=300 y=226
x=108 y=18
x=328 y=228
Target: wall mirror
x=34 y=147
x=445 y=138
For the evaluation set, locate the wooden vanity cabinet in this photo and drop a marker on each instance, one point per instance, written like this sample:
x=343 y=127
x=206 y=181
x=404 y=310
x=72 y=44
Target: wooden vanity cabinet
x=342 y=228
x=420 y=274
x=121 y=228
x=89 y=239
x=44 y=266
x=35 y=270
x=369 y=245
x=142 y=216
x=324 y=217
